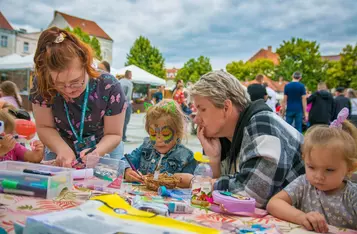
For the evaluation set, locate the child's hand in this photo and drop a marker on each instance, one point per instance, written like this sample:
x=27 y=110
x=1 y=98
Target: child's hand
x=130 y=176
x=7 y=144
x=314 y=221
x=37 y=146
x=185 y=179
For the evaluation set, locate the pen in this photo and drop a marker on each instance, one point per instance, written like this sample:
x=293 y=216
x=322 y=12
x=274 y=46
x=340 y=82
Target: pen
x=91 y=150
x=36 y=172
x=132 y=165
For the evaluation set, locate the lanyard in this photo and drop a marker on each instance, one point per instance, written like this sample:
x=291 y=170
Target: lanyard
x=84 y=108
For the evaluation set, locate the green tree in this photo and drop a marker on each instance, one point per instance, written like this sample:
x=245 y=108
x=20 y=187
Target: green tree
x=348 y=64
x=92 y=42
x=248 y=70
x=304 y=56
x=147 y=57
x=239 y=69
x=193 y=69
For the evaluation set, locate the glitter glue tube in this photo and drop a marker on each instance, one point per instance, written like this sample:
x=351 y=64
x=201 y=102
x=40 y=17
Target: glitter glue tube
x=179 y=194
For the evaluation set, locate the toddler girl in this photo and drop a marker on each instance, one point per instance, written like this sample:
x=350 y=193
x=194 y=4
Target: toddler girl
x=12 y=150
x=324 y=195
x=162 y=151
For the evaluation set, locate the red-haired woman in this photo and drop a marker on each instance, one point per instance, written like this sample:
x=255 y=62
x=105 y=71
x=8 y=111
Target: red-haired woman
x=75 y=106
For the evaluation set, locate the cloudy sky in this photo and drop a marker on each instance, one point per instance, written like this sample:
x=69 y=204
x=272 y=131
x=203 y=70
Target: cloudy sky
x=220 y=29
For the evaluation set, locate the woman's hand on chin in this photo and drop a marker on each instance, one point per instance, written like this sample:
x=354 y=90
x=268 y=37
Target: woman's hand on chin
x=211 y=146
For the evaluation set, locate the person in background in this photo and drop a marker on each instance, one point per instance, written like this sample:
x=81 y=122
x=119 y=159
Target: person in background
x=159 y=95
x=104 y=66
x=178 y=82
x=127 y=85
x=323 y=106
x=341 y=101
x=294 y=102
x=325 y=194
x=271 y=100
x=9 y=92
x=12 y=150
x=257 y=90
x=180 y=99
x=351 y=94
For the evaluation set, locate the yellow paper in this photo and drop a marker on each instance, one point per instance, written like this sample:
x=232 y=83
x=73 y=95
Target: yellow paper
x=116 y=202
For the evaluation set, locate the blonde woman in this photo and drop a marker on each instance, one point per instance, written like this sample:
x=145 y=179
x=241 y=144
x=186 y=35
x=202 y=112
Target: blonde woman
x=252 y=151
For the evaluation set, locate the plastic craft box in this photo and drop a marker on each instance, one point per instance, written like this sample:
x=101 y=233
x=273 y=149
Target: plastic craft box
x=14 y=181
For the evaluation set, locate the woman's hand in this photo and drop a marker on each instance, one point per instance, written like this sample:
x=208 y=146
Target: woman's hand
x=211 y=146
x=91 y=159
x=65 y=157
x=130 y=175
x=7 y=143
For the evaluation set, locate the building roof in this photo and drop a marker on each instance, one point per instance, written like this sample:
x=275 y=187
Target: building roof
x=172 y=70
x=266 y=54
x=277 y=86
x=4 y=23
x=87 y=26
x=331 y=57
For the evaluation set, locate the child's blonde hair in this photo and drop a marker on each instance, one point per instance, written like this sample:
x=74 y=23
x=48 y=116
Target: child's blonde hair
x=172 y=113
x=9 y=88
x=8 y=120
x=323 y=135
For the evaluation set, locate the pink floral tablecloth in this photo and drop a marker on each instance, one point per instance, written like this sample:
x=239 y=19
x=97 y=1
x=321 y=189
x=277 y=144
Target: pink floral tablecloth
x=18 y=208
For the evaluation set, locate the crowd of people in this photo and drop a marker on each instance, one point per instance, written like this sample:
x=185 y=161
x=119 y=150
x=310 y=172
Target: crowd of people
x=253 y=151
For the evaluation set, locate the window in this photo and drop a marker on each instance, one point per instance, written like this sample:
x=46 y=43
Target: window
x=3 y=42
x=26 y=47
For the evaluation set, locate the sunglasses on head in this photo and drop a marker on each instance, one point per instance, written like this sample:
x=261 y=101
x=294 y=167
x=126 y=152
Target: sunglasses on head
x=20 y=114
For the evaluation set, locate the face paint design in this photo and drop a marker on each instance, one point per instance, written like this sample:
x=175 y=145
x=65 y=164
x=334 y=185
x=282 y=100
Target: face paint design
x=166 y=133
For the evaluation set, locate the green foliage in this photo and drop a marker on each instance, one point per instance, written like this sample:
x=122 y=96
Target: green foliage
x=304 y=56
x=248 y=71
x=92 y=42
x=349 y=65
x=147 y=57
x=194 y=69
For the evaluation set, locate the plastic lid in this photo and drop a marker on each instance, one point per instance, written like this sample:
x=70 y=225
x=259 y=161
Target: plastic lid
x=200 y=157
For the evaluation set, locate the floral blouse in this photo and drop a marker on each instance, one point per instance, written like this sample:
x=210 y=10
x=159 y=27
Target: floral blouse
x=106 y=98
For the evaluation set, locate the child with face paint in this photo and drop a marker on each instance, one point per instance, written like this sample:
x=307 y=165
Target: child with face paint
x=162 y=150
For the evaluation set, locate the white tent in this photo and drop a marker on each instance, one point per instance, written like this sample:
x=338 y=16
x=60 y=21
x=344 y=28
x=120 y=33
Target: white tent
x=16 y=62
x=139 y=75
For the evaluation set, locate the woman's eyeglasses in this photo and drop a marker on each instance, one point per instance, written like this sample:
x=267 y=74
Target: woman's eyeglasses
x=74 y=85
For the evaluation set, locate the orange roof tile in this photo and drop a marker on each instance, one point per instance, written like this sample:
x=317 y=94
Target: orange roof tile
x=331 y=57
x=172 y=70
x=87 y=26
x=4 y=23
x=266 y=54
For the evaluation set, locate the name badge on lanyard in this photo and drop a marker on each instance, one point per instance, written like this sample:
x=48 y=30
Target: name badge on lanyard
x=81 y=143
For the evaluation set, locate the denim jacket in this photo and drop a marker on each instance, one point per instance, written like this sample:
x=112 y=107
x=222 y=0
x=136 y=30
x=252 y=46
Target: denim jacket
x=178 y=160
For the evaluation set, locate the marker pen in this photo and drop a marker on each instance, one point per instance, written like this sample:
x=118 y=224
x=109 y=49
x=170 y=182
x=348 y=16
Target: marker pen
x=36 y=172
x=15 y=185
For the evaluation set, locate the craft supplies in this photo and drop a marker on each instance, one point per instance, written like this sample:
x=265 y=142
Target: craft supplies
x=126 y=187
x=227 y=202
x=201 y=184
x=108 y=168
x=259 y=229
x=156 y=208
x=178 y=207
x=169 y=181
x=82 y=174
x=32 y=179
x=180 y=194
x=37 y=172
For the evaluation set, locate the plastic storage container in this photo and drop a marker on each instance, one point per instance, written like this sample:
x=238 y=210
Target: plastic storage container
x=48 y=184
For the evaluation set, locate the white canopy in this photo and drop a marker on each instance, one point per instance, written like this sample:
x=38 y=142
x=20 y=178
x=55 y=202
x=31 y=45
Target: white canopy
x=139 y=75
x=15 y=61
